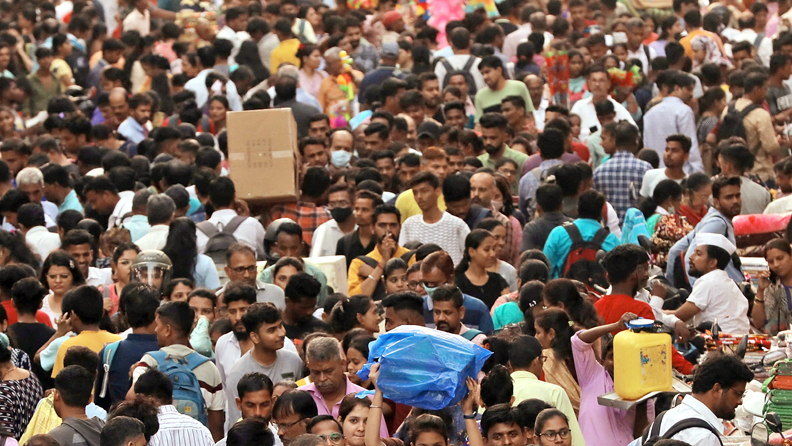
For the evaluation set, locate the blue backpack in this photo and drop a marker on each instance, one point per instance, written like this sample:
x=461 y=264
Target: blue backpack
x=187 y=396
x=107 y=361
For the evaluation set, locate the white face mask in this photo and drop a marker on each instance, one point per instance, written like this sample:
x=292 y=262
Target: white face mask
x=340 y=158
x=497 y=205
x=671 y=210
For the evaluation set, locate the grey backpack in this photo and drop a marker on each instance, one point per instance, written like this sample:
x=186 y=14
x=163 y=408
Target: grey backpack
x=220 y=240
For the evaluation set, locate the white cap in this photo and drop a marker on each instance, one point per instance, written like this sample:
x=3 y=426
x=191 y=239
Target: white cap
x=715 y=240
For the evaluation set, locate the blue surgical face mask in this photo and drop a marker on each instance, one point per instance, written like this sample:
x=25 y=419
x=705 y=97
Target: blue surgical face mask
x=340 y=158
x=429 y=289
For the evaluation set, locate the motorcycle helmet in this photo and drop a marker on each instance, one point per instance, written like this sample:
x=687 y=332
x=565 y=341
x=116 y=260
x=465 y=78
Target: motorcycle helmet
x=152 y=267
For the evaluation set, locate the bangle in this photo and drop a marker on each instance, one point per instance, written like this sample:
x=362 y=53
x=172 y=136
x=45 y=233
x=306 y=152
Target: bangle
x=375 y=407
x=372 y=278
x=760 y=301
x=469 y=417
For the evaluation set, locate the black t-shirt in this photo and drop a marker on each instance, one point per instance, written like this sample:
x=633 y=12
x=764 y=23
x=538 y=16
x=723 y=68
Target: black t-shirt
x=488 y=293
x=350 y=247
x=298 y=331
x=29 y=338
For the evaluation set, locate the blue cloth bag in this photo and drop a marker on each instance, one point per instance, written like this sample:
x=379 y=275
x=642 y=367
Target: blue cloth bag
x=424 y=368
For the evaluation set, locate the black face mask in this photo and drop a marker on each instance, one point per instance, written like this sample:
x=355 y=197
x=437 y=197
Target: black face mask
x=341 y=214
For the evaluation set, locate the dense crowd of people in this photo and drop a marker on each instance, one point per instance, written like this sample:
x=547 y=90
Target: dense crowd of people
x=528 y=175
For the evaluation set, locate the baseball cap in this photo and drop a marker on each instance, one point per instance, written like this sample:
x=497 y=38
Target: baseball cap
x=390 y=50
x=429 y=129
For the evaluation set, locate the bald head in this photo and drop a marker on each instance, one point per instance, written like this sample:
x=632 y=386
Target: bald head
x=535 y=86
x=289 y=71
x=119 y=104
x=204 y=30
x=538 y=21
x=482 y=186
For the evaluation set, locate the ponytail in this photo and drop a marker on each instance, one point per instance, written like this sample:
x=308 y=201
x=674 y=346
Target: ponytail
x=560 y=322
x=343 y=317
x=580 y=310
x=472 y=241
x=463 y=265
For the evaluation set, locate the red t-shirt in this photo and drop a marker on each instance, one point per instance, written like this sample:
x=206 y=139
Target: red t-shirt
x=581 y=150
x=613 y=306
x=13 y=318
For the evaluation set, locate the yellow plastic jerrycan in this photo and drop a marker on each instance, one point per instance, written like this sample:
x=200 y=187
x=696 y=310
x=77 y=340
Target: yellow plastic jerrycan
x=642 y=360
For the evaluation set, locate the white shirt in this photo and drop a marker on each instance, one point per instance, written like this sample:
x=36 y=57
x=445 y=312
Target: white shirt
x=613 y=221
x=155 y=239
x=235 y=37
x=228 y=352
x=250 y=232
x=265 y=292
x=325 y=239
x=641 y=55
x=265 y=46
x=449 y=233
x=458 y=62
x=669 y=117
x=176 y=429
x=539 y=113
x=99 y=276
x=657 y=307
x=780 y=206
x=50 y=210
x=514 y=39
x=588 y=115
x=42 y=242
x=690 y=408
x=123 y=207
x=756 y=197
x=45 y=307
x=718 y=297
x=765 y=49
x=651 y=179
x=698 y=90
x=137 y=21
x=198 y=86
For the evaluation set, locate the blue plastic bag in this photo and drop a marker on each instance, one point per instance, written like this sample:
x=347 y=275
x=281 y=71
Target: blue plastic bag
x=424 y=368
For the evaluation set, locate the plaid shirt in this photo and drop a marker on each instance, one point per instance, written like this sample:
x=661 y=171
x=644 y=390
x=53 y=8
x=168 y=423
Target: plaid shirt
x=615 y=177
x=308 y=215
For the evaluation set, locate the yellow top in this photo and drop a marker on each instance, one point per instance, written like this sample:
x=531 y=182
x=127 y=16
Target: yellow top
x=61 y=70
x=94 y=340
x=285 y=52
x=408 y=207
x=354 y=280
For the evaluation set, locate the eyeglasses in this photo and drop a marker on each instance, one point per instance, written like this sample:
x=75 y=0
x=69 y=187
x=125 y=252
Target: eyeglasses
x=245 y=269
x=552 y=435
x=334 y=438
x=285 y=426
x=414 y=284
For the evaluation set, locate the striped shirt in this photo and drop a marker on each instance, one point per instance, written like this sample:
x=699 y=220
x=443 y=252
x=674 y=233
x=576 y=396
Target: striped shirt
x=176 y=429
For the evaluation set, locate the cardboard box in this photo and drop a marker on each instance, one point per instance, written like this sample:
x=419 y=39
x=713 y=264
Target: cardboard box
x=263 y=156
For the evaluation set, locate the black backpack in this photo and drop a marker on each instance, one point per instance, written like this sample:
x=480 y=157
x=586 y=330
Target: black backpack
x=732 y=124
x=465 y=71
x=652 y=435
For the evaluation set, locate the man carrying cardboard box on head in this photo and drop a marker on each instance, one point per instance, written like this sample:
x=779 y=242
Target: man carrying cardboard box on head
x=226 y=219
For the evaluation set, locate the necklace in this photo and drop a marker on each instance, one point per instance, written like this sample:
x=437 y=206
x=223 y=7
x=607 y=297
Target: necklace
x=3 y=374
